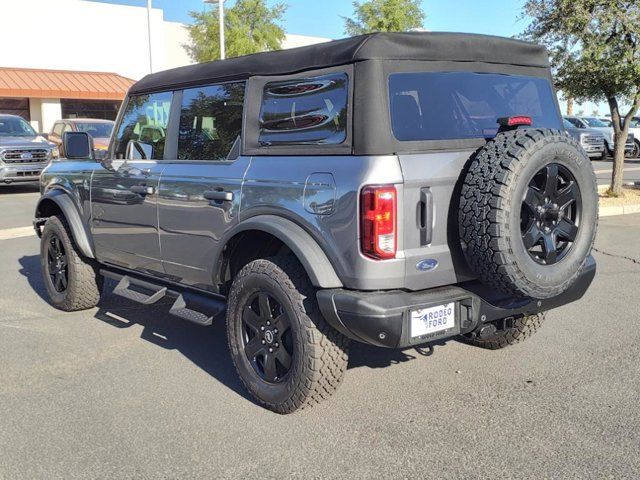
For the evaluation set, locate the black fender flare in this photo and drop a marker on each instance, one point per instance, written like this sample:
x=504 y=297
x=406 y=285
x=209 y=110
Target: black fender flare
x=309 y=253
x=69 y=209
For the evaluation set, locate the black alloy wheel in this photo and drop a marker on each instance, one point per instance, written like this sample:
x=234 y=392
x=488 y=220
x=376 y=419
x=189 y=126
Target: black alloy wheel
x=550 y=215
x=267 y=337
x=57 y=263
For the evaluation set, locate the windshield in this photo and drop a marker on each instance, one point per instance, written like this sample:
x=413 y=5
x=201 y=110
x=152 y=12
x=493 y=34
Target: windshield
x=594 y=122
x=96 y=130
x=459 y=105
x=15 y=127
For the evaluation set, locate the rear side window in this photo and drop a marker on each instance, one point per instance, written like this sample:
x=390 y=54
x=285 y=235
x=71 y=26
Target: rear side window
x=309 y=111
x=144 y=123
x=210 y=121
x=461 y=105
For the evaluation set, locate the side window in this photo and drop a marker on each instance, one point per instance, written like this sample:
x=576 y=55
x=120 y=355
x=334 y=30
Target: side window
x=308 y=111
x=210 y=121
x=143 y=129
x=57 y=129
x=67 y=128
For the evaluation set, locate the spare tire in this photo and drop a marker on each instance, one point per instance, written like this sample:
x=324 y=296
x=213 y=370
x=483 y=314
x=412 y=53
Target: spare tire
x=528 y=212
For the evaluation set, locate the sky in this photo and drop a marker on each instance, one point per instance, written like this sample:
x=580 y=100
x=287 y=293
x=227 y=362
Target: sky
x=323 y=18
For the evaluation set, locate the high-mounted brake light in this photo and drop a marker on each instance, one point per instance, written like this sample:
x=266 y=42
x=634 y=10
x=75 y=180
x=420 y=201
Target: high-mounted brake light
x=515 y=121
x=378 y=207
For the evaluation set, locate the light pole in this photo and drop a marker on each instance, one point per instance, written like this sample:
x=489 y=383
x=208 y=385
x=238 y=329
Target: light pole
x=149 y=32
x=221 y=20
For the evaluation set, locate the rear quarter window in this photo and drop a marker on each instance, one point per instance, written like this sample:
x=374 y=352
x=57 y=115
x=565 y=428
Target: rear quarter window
x=461 y=105
x=306 y=111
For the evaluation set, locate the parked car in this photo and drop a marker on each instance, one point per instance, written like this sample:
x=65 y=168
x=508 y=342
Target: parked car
x=585 y=123
x=634 y=129
x=23 y=153
x=100 y=131
x=396 y=189
x=593 y=141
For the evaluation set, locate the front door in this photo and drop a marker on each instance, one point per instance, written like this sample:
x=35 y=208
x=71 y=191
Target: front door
x=124 y=193
x=199 y=197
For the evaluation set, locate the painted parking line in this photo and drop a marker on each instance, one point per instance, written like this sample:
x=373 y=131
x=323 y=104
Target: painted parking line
x=20 y=232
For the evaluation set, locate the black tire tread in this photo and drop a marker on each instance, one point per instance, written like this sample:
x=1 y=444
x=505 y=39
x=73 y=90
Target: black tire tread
x=523 y=328
x=85 y=286
x=328 y=349
x=485 y=206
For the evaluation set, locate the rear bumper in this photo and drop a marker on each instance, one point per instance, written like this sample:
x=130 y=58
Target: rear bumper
x=383 y=318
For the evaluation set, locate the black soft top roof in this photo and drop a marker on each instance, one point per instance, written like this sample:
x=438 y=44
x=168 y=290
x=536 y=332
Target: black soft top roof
x=427 y=46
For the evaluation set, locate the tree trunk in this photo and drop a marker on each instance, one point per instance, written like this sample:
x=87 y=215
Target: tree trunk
x=621 y=132
x=569 y=106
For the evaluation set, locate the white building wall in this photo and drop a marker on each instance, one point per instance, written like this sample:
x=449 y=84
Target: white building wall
x=100 y=37
x=97 y=36
x=50 y=110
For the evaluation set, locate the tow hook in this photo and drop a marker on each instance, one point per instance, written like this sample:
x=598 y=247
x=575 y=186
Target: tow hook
x=487 y=331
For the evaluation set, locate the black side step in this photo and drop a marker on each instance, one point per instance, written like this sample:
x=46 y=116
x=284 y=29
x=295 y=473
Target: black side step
x=196 y=307
x=185 y=300
x=124 y=289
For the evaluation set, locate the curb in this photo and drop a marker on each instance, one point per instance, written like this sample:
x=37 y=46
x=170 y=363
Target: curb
x=620 y=209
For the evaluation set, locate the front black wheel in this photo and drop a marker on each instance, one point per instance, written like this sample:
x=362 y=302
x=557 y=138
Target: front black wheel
x=71 y=280
x=285 y=353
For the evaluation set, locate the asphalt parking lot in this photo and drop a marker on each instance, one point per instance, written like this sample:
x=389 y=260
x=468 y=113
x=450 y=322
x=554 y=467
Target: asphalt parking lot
x=123 y=391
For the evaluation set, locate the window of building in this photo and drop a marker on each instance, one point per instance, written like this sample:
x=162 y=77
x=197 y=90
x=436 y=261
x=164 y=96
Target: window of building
x=210 y=121
x=145 y=122
x=309 y=111
x=102 y=109
x=15 y=106
x=460 y=105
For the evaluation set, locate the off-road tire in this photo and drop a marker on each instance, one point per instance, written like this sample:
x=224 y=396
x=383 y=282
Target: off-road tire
x=522 y=329
x=490 y=211
x=84 y=283
x=321 y=353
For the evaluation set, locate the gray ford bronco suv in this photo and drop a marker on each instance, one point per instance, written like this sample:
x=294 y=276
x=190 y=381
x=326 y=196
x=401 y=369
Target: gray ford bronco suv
x=394 y=189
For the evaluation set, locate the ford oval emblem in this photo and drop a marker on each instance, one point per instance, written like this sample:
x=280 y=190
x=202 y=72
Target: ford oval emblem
x=427 y=265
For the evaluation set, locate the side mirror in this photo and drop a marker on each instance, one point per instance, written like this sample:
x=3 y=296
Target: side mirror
x=77 y=145
x=44 y=135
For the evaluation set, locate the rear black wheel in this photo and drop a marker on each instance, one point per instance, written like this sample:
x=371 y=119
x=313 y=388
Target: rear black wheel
x=285 y=353
x=550 y=216
x=71 y=280
x=517 y=331
x=529 y=212
x=267 y=337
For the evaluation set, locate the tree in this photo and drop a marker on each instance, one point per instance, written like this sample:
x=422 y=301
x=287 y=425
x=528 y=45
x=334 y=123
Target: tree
x=595 y=51
x=250 y=27
x=385 y=16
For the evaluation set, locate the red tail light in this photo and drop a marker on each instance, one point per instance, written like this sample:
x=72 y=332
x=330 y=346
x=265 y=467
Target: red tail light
x=378 y=207
x=515 y=121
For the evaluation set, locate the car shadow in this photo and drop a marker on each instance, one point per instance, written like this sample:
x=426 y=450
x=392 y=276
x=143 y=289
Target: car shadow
x=8 y=189
x=206 y=347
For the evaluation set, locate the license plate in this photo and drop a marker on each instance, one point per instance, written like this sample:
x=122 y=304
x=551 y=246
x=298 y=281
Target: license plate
x=425 y=321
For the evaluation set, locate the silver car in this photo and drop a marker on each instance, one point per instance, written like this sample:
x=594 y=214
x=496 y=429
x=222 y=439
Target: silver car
x=23 y=153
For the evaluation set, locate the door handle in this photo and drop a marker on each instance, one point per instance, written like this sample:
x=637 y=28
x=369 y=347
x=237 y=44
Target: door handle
x=142 y=190
x=425 y=216
x=218 y=195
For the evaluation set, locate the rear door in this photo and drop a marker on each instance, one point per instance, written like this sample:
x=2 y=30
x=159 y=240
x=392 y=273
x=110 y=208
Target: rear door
x=447 y=116
x=124 y=192
x=200 y=189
